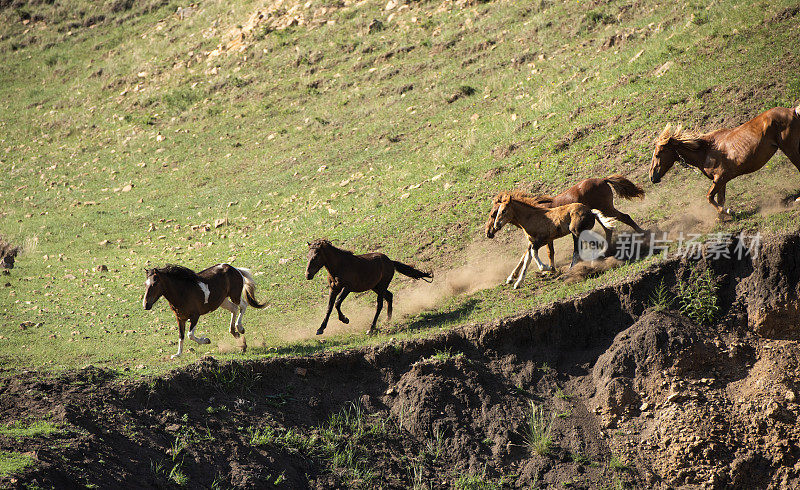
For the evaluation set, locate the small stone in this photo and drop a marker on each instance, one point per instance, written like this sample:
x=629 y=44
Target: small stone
x=300 y=371
x=644 y=407
x=102 y=268
x=391 y=391
x=104 y=243
x=173 y=427
x=127 y=188
x=220 y=222
x=790 y=396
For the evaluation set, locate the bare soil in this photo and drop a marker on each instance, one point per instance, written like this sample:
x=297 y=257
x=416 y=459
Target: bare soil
x=636 y=397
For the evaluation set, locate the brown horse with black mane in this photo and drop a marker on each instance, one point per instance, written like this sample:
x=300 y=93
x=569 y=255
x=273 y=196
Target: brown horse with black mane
x=350 y=273
x=598 y=194
x=727 y=153
x=191 y=294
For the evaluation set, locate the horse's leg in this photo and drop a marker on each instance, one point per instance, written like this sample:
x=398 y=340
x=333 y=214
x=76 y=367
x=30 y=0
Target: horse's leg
x=793 y=154
x=181 y=331
x=515 y=272
x=525 y=264
x=339 y=300
x=192 y=325
x=331 y=300
x=539 y=262
x=575 y=247
x=377 y=310
x=716 y=187
x=389 y=296
x=228 y=305
x=627 y=220
x=551 y=255
x=242 y=308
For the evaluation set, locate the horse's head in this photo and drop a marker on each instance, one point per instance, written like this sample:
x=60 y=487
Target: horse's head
x=664 y=154
x=316 y=258
x=499 y=215
x=153 y=288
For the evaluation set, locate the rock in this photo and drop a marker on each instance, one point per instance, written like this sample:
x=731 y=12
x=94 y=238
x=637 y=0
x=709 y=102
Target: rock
x=104 y=243
x=790 y=396
x=644 y=407
x=127 y=188
x=220 y=222
x=173 y=427
x=391 y=391
x=375 y=26
x=676 y=397
x=101 y=268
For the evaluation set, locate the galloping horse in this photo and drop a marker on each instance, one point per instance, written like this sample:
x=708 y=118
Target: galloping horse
x=724 y=154
x=191 y=294
x=541 y=225
x=350 y=273
x=597 y=194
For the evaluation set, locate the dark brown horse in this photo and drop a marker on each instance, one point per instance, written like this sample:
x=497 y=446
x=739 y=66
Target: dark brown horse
x=724 y=154
x=597 y=194
x=350 y=273
x=191 y=294
x=8 y=253
x=541 y=225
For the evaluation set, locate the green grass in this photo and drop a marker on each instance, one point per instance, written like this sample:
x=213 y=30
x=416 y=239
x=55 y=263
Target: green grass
x=661 y=298
x=21 y=430
x=379 y=141
x=537 y=431
x=11 y=462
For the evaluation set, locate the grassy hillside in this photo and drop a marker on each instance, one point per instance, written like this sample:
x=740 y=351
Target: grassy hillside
x=128 y=128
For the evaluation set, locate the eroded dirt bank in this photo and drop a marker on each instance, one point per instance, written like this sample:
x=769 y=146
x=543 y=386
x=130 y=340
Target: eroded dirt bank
x=636 y=397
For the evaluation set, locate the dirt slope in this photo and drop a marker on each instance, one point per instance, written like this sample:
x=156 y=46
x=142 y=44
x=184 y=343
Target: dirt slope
x=637 y=398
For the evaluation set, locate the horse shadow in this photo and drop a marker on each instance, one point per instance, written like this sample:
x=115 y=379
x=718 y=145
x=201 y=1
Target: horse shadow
x=432 y=319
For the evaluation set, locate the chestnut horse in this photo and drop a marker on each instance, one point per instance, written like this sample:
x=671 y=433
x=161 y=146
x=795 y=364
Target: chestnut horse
x=191 y=294
x=597 y=194
x=350 y=273
x=541 y=225
x=724 y=154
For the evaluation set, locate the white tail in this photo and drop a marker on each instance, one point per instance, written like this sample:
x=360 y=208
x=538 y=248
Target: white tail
x=249 y=287
x=605 y=220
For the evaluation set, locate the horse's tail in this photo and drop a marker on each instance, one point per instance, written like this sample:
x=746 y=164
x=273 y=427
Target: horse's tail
x=249 y=288
x=624 y=187
x=606 y=221
x=411 y=272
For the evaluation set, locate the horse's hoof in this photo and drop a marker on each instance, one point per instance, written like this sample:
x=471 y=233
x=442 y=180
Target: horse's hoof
x=235 y=335
x=320 y=331
x=241 y=329
x=344 y=320
x=372 y=331
x=206 y=341
x=173 y=356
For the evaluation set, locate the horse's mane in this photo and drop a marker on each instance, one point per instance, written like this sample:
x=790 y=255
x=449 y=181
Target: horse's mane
x=178 y=272
x=525 y=198
x=681 y=136
x=324 y=242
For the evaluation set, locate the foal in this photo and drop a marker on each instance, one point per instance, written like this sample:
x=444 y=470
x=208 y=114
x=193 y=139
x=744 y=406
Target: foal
x=541 y=225
x=350 y=273
x=724 y=154
x=192 y=294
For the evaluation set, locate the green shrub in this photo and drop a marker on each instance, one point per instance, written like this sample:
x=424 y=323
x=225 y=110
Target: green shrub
x=698 y=296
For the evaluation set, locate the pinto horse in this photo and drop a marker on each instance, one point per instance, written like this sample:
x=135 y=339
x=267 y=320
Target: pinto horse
x=597 y=194
x=727 y=153
x=191 y=294
x=541 y=225
x=350 y=273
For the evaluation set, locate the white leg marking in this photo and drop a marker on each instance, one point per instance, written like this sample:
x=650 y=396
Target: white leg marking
x=180 y=349
x=524 y=270
x=515 y=272
x=539 y=262
x=242 y=308
x=199 y=340
x=204 y=288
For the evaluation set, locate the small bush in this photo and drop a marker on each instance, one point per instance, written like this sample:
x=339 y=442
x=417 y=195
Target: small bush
x=661 y=299
x=698 y=296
